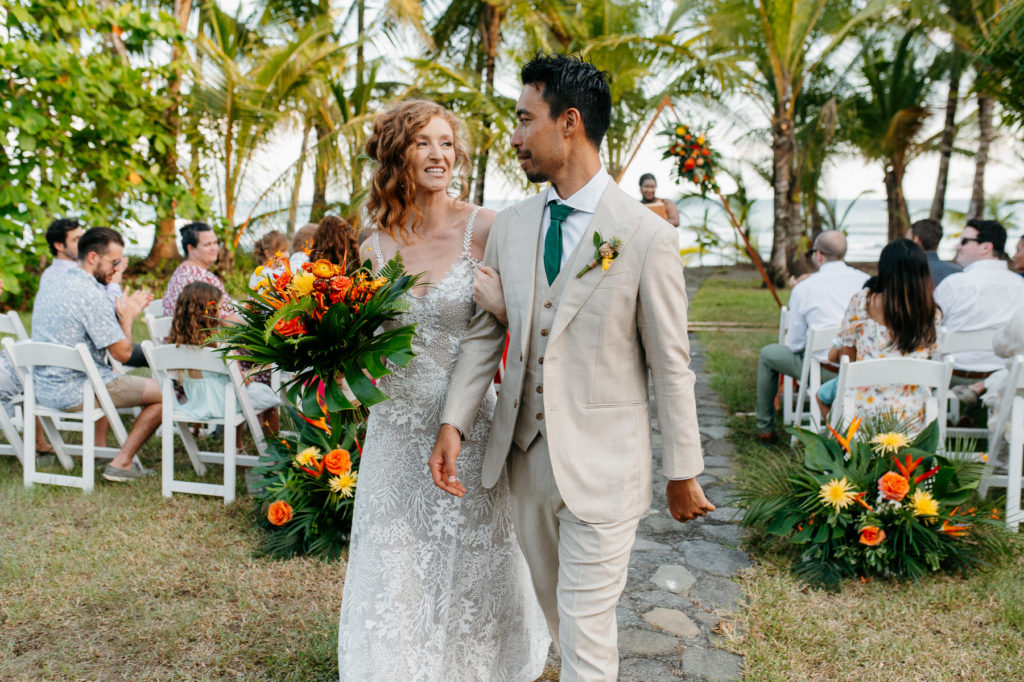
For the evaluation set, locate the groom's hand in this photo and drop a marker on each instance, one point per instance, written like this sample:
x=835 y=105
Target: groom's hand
x=686 y=500
x=447 y=447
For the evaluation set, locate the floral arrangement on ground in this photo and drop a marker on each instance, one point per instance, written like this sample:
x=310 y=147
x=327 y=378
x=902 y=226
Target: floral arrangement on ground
x=875 y=502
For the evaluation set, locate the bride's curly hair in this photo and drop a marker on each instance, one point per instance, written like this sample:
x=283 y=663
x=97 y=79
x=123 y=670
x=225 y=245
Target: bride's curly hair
x=391 y=203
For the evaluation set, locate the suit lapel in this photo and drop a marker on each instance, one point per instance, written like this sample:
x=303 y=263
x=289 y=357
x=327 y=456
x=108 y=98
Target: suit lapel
x=524 y=250
x=610 y=221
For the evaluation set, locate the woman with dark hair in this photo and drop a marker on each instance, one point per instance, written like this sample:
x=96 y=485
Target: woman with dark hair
x=335 y=241
x=200 y=245
x=436 y=587
x=663 y=207
x=893 y=316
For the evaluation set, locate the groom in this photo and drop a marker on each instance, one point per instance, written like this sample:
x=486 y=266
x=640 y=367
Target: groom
x=572 y=423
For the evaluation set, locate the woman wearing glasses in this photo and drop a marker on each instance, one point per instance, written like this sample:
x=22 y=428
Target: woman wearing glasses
x=199 y=242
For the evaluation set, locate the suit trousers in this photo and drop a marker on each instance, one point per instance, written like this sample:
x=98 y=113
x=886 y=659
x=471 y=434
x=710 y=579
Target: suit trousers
x=775 y=359
x=578 y=569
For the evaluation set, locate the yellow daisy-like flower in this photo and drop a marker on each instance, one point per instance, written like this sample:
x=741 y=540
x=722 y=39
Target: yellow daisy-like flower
x=891 y=442
x=345 y=484
x=680 y=130
x=924 y=504
x=307 y=457
x=302 y=283
x=838 y=492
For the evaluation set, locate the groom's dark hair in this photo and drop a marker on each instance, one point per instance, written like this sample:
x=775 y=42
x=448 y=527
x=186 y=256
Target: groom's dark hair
x=571 y=83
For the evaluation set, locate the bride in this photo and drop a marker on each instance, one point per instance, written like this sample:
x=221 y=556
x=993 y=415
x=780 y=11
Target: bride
x=436 y=586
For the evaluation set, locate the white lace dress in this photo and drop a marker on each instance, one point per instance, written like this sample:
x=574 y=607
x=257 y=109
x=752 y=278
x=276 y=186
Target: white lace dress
x=436 y=588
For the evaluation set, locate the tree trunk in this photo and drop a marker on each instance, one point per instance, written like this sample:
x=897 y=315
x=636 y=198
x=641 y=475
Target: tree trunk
x=783 y=145
x=319 y=208
x=490 y=31
x=948 y=135
x=895 y=202
x=985 y=107
x=293 y=205
x=163 y=254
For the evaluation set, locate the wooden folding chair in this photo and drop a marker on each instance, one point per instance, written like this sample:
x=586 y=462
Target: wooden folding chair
x=10 y=325
x=933 y=374
x=818 y=339
x=164 y=361
x=1011 y=414
x=27 y=355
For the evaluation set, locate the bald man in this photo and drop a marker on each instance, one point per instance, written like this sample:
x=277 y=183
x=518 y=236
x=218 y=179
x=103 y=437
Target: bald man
x=818 y=301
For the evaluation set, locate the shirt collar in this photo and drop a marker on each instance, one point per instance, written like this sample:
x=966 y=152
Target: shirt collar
x=587 y=197
x=831 y=265
x=986 y=264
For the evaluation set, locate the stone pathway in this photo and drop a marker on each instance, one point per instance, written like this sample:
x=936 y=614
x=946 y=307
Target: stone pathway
x=678 y=594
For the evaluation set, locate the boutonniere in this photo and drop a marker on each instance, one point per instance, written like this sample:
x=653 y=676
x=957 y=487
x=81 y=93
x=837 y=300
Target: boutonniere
x=604 y=252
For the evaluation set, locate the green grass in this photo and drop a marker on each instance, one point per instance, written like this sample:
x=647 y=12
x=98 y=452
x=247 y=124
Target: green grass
x=942 y=628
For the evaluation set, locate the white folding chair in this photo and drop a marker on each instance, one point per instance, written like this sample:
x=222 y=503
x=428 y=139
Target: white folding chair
x=933 y=374
x=788 y=382
x=953 y=343
x=1011 y=413
x=159 y=327
x=164 y=361
x=818 y=339
x=10 y=324
x=155 y=308
x=27 y=355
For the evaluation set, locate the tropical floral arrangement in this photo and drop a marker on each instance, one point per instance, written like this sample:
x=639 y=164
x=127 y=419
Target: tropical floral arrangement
x=874 y=503
x=694 y=158
x=307 y=493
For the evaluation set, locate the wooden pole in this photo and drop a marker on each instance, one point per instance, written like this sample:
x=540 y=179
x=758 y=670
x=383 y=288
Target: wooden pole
x=750 y=249
x=665 y=102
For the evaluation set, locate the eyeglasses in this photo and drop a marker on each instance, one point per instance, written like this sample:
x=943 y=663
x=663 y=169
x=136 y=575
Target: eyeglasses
x=965 y=240
x=114 y=262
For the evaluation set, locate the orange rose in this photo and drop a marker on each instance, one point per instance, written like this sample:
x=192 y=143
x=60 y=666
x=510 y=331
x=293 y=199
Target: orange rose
x=893 y=486
x=338 y=462
x=279 y=513
x=339 y=287
x=290 y=327
x=324 y=269
x=689 y=164
x=871 y=536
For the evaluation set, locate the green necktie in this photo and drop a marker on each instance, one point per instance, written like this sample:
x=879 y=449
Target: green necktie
x=553 y=239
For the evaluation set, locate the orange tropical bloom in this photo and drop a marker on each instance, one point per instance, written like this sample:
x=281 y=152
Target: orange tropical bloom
x=324 y=269
x=871 y=536
x=908 y=465
x=893 y=486
x=279 y=513
x=338 y=461
x=292 y=327
x=957 y=530
x=850 y=432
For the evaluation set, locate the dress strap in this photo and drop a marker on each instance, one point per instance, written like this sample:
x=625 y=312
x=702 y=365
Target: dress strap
x=375 y=244
x=467 y=238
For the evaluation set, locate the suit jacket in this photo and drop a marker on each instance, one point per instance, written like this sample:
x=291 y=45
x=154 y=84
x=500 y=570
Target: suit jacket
x=609 y=328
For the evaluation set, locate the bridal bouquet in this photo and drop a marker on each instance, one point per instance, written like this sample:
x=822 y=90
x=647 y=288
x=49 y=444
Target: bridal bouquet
x=694 y=159
x=874 y=503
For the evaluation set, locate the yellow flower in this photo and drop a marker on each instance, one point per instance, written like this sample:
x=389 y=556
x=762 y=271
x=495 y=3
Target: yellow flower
x=308 y=457
x=891 y=442
x=680 y=130
x=344 y=484
x=302 y=283
x=606 y=263
x=924 y=504
x=838 y=493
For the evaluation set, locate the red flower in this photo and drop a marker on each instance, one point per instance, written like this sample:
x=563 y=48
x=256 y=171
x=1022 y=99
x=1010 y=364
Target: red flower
x=689 y=164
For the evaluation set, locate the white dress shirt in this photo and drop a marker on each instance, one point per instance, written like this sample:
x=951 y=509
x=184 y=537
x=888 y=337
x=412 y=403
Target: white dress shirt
x=584 y=203
x=61 y=265
x=820 y=301
x=986 y=294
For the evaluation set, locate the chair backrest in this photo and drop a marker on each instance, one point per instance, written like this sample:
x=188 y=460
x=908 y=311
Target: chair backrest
x=155 y=308
x=951 y=343
x=818 y=339
x=1013 y=385
x=933 y=374
x=11 y=324
x=159 y=327
x=783 y=323
x=27 y=355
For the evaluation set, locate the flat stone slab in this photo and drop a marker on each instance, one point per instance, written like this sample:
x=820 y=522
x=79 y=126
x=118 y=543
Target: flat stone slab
x=662 y=524
x=645 y=670
x=659 y=598
x=723 y=532
x=715 y=432
x=713 y=665
x=645 y=545
x=672 y=621
x=712 y=557
x=718 y=594
x=729 y=514
x=627 y=618
x=719 y=447
x=673 y=578
x=634 y=642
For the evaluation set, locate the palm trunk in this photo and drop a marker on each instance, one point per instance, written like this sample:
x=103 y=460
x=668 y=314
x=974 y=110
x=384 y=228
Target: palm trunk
x=293 y=205
x=319 y=208
x=491 y=35
x=895 y=202
x=985 y=107
x=946 y=142
x=783 y=144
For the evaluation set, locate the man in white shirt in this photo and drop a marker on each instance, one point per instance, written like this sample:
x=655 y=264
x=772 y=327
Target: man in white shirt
x=986 y=294
x=818 y=301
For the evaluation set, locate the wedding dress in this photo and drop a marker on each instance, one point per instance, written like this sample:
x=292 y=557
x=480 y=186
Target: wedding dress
x=436 y=588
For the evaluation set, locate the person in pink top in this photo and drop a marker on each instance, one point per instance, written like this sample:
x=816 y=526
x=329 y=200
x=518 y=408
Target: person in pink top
x=199 y=242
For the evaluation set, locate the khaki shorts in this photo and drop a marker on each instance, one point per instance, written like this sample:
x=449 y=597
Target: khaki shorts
x=125 y=391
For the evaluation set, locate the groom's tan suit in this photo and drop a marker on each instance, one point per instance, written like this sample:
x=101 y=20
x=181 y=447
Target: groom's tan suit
x=572 y=423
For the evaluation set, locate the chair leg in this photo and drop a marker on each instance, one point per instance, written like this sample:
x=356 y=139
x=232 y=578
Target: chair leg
x=53 y=435
x=88 y=452
x=229 y=461
x=1013 y=473
x=28 y=463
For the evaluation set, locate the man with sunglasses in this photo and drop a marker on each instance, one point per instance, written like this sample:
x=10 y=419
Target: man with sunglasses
x=986 y=294
x=73 y=308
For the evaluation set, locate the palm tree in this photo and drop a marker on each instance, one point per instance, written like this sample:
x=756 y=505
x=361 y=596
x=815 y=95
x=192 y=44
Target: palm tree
x=888 y=115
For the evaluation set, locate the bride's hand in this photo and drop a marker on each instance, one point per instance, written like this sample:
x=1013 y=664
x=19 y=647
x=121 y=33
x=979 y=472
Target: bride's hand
x=488 y=294
x=442 y=460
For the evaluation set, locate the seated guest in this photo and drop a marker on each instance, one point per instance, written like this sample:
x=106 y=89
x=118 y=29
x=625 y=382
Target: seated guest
x=1007 y=342
x=266 y=247
x=817 y=301
x=927 y=234
x=335 y=241
x=984 y=295
x=62 y=237
x=1018 y=257
x=199 y=242
x=663 y=207
x=302 y=242
x=75 y=309
x=894 y=315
